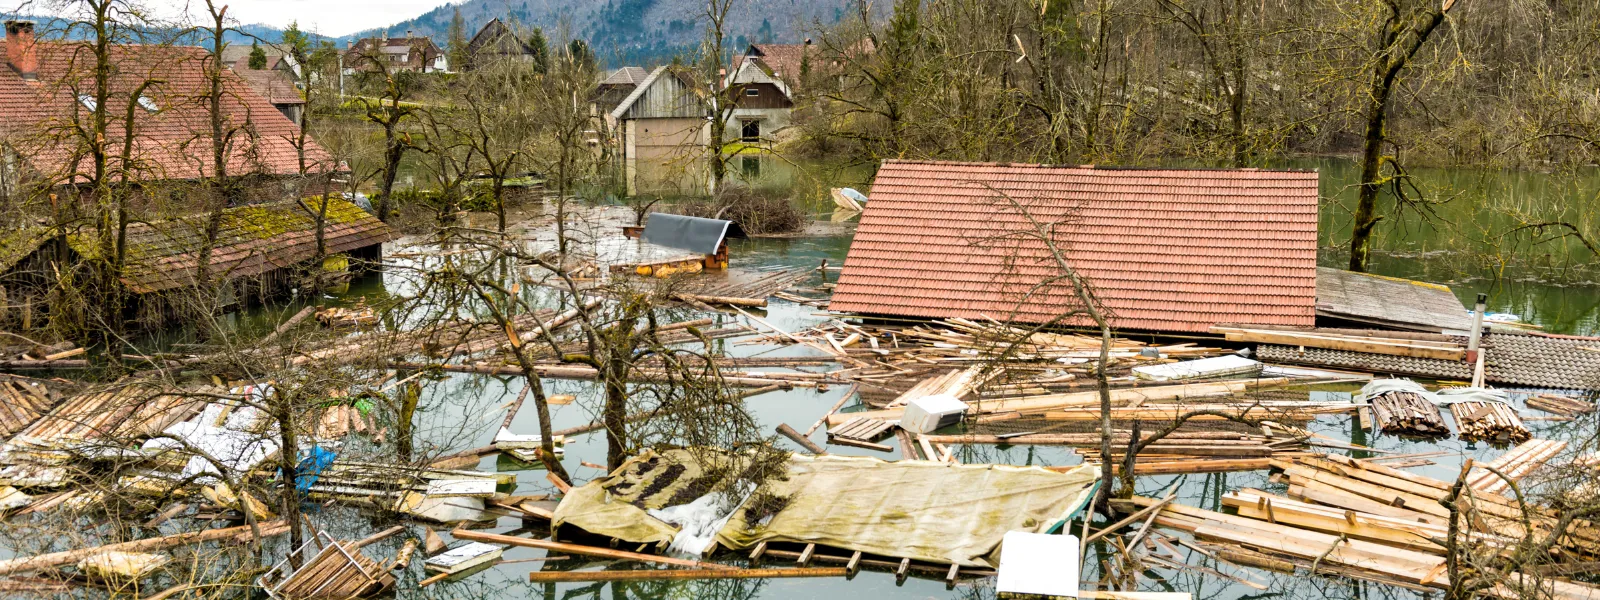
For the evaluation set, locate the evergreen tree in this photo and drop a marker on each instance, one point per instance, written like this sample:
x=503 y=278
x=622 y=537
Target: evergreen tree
x=458 y=42
x=540 y=48
x=579 y=50
x=258 y=57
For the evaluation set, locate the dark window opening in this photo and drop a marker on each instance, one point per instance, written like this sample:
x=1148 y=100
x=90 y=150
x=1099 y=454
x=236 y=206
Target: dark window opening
x=750 y=130
x=752 y=92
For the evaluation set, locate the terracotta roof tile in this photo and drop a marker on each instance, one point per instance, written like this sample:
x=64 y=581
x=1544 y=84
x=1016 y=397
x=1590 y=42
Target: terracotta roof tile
x=35 y=116
x=1164 y=249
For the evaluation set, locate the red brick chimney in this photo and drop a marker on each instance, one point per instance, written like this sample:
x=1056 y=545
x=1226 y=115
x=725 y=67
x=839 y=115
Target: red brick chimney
x=20 y=51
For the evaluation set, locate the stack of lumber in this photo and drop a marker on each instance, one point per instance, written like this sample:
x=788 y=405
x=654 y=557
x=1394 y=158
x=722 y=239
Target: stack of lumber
x=1370 y=344
x=1285 y=532
x=1565 y=406
x=1493 y=422
x=1367 y=487
x=1406 y=413
x=1515 y=464
x=338 y=572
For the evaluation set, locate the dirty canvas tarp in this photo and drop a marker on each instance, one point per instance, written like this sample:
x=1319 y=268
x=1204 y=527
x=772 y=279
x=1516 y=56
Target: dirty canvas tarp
x=937 y=512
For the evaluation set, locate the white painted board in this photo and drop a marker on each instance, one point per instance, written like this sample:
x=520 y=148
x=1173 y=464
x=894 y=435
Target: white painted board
x=1216 y=366
x=461 y=487
x=1038 y=563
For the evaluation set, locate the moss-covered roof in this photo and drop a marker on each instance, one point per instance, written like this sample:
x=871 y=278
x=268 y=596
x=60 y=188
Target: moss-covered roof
x=252 y=240
x=17 y=244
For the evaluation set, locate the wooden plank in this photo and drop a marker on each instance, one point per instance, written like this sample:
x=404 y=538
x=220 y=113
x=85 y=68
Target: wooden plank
x=478 y=536
x=1354 y=344
x=656 y=574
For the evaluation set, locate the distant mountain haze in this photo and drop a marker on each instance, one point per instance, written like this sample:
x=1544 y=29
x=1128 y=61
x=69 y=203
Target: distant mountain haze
x=620 y=31
x=635 y=31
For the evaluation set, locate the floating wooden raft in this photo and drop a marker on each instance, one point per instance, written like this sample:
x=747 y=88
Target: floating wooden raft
x=715 y=290
x=1493 y=422
x=1406 y=413
x=1565 y=406
x=1515 y=464
x=862 y=432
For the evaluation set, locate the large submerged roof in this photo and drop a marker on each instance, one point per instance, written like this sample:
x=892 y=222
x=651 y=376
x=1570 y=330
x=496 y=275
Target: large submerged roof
x=1173 y=250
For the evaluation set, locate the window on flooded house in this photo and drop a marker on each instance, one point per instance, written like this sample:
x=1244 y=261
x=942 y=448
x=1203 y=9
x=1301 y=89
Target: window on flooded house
x=750 y=130
x=752 y=92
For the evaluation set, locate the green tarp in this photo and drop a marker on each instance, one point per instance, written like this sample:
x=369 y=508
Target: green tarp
x=928 y=511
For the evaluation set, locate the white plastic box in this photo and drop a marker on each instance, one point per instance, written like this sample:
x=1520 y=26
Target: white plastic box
x=929 y=413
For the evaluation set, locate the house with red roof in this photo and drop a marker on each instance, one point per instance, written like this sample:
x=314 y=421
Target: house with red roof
x=1171 y=251
x=411 y=53
x=763 y=80
x=47 y=91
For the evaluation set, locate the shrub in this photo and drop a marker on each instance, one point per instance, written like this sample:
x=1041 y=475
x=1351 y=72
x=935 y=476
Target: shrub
x=756 y=211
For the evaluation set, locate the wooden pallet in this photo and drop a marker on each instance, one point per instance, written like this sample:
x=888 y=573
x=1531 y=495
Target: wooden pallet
x=864 y=429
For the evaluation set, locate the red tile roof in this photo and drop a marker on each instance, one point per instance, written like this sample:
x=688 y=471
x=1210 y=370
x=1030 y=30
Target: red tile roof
x=1174 y=250
x=172 y=142
x=276 y=86
x=783 y=59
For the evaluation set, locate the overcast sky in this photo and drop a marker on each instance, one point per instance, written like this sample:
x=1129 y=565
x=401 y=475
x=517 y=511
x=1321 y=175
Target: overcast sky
x=327 y=17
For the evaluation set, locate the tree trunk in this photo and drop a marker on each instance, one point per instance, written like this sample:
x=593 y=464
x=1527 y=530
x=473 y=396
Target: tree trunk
x=288 y=461
x=392 y=153
x=1366 y=217
x=409 y=396
x=500 y=201
x=1103 y=384
x=615 y=413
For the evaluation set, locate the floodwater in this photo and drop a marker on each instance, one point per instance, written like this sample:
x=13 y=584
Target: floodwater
x=1561 y=304
x=461 y=411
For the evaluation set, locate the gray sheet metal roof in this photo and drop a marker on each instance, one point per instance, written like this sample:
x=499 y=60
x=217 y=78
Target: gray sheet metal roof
x=694 y=234
x=1389 y=302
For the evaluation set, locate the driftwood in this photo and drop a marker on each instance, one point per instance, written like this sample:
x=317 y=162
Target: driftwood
x=55 y=559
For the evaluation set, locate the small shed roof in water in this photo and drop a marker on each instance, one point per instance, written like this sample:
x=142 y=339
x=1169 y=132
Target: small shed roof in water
x=695 y=234
x=1389 y=302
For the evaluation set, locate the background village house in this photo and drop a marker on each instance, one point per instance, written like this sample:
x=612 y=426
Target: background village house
x=495 y=42
x=411 y=53
x=172 y=120
x=662 y=130
x=279 y=81
x=764 y=77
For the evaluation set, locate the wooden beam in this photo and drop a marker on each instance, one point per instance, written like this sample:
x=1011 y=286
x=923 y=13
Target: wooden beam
x=494 y=538
x=653 y=574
